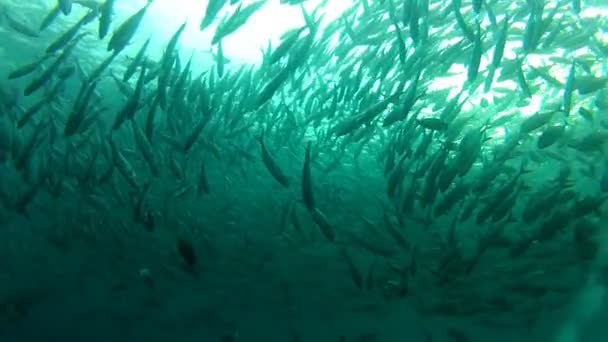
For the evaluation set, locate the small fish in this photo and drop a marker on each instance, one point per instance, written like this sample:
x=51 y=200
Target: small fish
x=457 y=335
x=50 y=17
x=220 y=60
x=271 y=164
x=132 y=105
x=230 y=337
x=477 y=6
x=286 y=45
x=498 y=53
x=236 y=20
x=321 y=220
x=536 y=121
x=213 y=8
x=185 y=248
x=550 y=136
x=203 y=183
x=27 y=69
x=586 y=114
x=569 y=89
x=355 y=273
x=137 y=61
x=150 y=119
x=475 y=60
x=66 y=6
x=35 y=108
x=521 y=79
x=69 y=35
x=533 y=28
x=123 y=34
x=105 y=19
x=47 y=74
x=146 y=149
x=79 y=110
x=604 y=178
x=435 y=124
x=307 y=188
x=123 y=165
x=194 y=135
x=576 y=6
x=97 y=72
x=19 y=26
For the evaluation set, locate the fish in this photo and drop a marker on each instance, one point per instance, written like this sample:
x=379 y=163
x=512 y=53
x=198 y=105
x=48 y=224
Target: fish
x=271 y=164
x=213 y=8
x=536 y=121
x=550 y=136
x=287 y=43
x=131 y=106
x=97 y=72
x=50 y=17
x=474 y=62
x=136 y=61
x=149 y=130
x=356 y=275
x=27 y=69
x=126 y=31
x=66 y=6
x=46 y=75
x=521 y=79
x=36 y=107
x=220 y=59
x=498 y=52
x=307 y=186
x=457 y=335
x=236 y=20
x=435 y=124
x=186 y=251
x=69 y=35
x=19 y=25
x=146 y=149
x=123 y=165
x=322 y=222
x=532 y=31
x=569 y=89
x=203 y=186
x=604 y=178
x=105 y=19
x=80 y=108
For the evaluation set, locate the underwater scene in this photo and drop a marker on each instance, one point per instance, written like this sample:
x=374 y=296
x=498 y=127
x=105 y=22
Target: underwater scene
x=304 y=170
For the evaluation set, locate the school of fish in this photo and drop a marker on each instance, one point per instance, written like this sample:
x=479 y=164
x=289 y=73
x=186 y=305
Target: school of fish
x=347 y=151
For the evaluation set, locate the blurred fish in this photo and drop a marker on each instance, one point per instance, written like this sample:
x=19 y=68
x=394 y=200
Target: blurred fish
x=213 y=8
x=69 y=35
x=123 y=34
x=27 y=69
x=186 y=251
x=66 y=6
x=236 y=20
x=271 y=165
x=46 y=75
x=19 y=25
x=604 y=178
x=105 y=20
x=50 y=17
x=307 y=187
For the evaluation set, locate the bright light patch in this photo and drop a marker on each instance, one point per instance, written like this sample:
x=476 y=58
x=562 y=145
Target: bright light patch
x=243 y=46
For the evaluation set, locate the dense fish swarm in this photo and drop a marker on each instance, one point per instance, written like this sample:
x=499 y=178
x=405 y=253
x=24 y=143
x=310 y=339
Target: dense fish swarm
x=346 y=175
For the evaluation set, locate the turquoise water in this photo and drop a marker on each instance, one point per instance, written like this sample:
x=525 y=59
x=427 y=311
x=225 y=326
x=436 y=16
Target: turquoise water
x=331 y=171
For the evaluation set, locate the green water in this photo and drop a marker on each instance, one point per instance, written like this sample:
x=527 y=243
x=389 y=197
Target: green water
x=366 y=171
